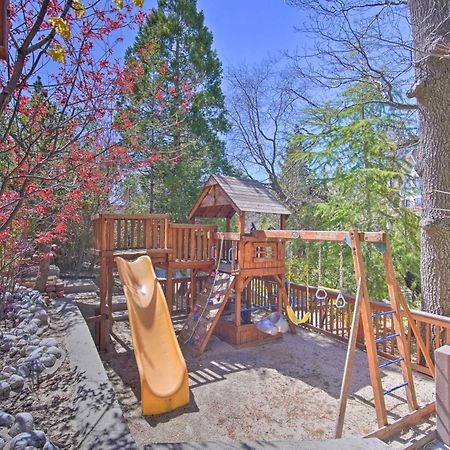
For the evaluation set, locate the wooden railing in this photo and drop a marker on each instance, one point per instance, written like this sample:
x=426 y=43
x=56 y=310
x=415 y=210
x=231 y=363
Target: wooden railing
x=130 y=231
x=328 y=319
x=226 y=247
x=190 y=242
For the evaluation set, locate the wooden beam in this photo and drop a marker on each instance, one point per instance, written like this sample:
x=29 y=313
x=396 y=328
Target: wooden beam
x=366 y=316
x=411 y=419
x=283 y=220
x=242 y=223
x=311 y=235
x=399 y=328
x=349 y=360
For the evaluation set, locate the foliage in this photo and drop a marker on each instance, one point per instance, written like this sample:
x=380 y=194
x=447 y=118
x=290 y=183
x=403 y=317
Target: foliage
x=357 y=156
x=173 y=108
x=56 y=142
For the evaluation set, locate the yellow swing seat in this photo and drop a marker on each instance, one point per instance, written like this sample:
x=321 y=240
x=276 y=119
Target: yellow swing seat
x=291 y=316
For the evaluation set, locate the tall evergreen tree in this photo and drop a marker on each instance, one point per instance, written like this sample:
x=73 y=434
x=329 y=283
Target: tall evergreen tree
x=357 y=154
x=174 y=110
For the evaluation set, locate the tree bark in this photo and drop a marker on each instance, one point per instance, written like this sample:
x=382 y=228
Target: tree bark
x=431 y=33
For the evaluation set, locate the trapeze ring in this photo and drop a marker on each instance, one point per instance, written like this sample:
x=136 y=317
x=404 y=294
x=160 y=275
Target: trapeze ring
x=321 y=294
x=340 y=301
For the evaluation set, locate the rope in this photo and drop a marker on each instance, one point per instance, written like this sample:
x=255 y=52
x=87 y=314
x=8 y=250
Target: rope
x=321 y=294
x=210 y=292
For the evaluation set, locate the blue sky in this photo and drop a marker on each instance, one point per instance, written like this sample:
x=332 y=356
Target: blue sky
x=244 y=31
x=247 y=31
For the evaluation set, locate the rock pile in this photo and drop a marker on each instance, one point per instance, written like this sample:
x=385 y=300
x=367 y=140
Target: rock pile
x=18 y=433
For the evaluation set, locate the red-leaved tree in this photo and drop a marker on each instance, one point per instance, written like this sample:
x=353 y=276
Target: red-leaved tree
x=58 y=97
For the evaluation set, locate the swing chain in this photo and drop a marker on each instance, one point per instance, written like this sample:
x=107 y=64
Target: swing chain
x=340 y=300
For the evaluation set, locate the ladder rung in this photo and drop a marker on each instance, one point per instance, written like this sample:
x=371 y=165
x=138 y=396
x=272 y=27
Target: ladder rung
x=386 y=338
x=392 y=389
x=384 y=313
x=389 y=363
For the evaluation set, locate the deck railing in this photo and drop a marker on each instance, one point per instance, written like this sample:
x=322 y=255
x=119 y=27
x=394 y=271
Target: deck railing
x=130 y=231
x=335 y=322
x=191 y=242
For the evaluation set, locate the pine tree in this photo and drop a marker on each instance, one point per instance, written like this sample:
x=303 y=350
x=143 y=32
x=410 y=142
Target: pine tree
x=357 y=155
x=174 y=108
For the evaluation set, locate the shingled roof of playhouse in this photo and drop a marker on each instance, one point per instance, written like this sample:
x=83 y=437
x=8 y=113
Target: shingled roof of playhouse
x=224 y=196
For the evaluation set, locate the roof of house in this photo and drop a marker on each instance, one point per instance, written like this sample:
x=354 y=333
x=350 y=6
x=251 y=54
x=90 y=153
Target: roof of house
x=223 y=196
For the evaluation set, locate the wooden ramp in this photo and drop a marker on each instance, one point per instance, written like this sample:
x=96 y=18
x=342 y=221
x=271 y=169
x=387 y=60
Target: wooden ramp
x=206 y=311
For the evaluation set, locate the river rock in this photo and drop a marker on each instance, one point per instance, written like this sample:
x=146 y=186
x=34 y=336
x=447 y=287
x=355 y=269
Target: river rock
x=23 y=371
x=49 y=342
x=48 y=360
x=55 y=351
x=5 y=389
x=34 y=438
x=50 y=446
x=13 y=351
x=8 y=371
x=6 y=419
x=16 y=382
x=23 y=423
x=2 y=443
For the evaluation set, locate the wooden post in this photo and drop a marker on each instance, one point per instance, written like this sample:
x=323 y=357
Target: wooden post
x=349 y=360
x=237 y=301
x=169 y=288
x=366 y=316
x=283 y=220
x=399 y=328
x=193 y=287
x=242 y=224
x=442 y=358
x=227 y=224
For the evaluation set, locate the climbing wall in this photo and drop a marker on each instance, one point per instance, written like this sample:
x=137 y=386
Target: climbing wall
x=206 y=311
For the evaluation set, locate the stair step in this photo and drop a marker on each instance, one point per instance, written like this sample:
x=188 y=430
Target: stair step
x=386 y=338
x=390 y=363
x=392 y=389
x=384 y=313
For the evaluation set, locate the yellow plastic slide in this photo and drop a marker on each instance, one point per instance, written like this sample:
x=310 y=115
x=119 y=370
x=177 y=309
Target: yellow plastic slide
x=162 y=368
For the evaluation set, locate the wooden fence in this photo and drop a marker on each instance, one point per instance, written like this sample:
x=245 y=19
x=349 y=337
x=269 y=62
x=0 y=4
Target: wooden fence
x=335 y=322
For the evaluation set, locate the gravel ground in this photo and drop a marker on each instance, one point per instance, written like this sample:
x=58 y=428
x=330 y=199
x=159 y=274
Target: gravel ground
x=279 y=391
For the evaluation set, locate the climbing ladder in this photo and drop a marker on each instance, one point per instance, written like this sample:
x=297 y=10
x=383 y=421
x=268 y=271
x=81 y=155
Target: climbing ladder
x=399 y=311
x=206 y=311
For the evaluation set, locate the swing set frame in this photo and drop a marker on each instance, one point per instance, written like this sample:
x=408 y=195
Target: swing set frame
x=362 y=314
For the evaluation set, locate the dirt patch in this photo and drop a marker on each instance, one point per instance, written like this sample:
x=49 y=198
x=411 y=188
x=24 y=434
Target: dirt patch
x=279 y=391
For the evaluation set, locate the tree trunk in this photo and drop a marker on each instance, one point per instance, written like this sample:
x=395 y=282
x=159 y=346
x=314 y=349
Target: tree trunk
x=431 y=32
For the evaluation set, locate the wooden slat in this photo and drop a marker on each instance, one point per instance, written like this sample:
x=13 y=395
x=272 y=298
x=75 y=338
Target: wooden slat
x=348 y=368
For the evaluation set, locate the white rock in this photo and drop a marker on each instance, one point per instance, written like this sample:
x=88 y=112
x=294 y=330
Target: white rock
x=24 y=422
x=2 y=443
x=55 y=351
x=23 y=371
x=8 y=370
x=49 y=342
x=48 y=360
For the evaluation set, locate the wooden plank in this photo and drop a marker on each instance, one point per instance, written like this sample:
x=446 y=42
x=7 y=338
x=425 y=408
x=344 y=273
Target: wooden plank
x=349 y=360
x=419 y=443
x=192 y=244
x=416 y=331
x=399 y=328
x=148 y=234
x=366 y=316
x=411 y=419
x=311 y=235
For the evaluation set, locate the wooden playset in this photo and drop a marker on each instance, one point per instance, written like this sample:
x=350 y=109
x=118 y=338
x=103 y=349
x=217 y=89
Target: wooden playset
x=233 y=274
